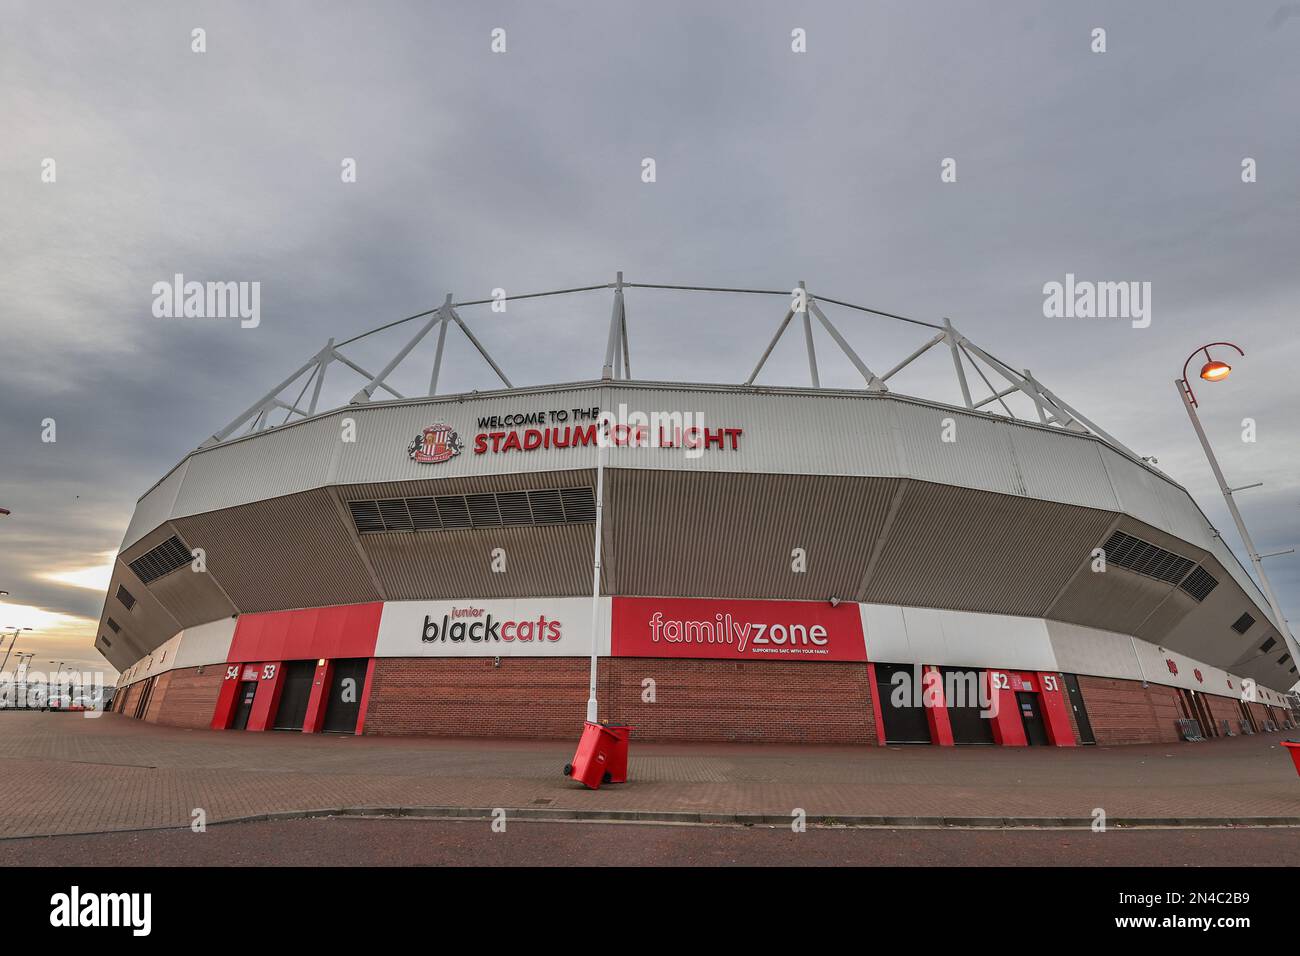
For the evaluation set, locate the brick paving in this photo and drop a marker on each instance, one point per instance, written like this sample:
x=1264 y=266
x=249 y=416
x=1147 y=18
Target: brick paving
x=62 y=773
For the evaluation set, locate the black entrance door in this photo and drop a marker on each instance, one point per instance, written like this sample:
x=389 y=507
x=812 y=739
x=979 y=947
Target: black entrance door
x=900 y=704
x=961 y=692
x=1086 y=735
x=295 y=695
x=1031 y=716
x=344 y=704
x=247 y=691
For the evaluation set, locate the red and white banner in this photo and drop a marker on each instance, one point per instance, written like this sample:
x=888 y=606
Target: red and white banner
x=526 y=627
x=737 y=629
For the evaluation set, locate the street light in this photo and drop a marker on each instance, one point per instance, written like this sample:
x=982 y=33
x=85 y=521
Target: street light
x=12 y=641
x=1216 y=371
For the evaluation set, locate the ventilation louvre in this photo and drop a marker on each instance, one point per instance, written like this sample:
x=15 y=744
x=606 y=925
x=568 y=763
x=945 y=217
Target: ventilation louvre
x=483 y=511
x=548 y=506
x=1267 y=645
x=395 y=515
x=114 y=626
x=1199 y=584
x=164 y=559
x=579 y=504
x=513 y=506
x=1137 y=555
x=454 y=511
x=424 y=513
x=505 y=508
x=1243 y=624
x=125 y=597
x=365 y=515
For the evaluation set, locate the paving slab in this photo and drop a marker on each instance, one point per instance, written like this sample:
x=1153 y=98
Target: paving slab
x=63 y=773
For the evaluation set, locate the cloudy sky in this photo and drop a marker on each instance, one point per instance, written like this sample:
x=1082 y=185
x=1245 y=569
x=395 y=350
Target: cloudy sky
x=522 y=170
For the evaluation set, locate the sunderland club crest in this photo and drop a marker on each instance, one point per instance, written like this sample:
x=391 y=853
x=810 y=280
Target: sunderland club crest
x=436 y=443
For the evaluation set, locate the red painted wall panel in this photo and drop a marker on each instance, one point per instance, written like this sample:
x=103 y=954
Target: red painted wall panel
x=875 y=705
x=1008 y=731
x=224 y=712
x=1056 y=710
x=267 y=699
x=936 y=708
x=365 y=696
x=320 y=686
x=347 y=630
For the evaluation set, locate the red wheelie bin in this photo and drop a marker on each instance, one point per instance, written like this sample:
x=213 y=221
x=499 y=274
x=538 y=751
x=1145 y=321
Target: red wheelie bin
x=601 y=756
x=1293 y=746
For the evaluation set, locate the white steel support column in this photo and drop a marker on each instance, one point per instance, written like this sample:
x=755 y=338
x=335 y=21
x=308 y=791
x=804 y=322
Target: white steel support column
x=780 y=330
x=622 y=334
x=1265 y=585
x=437 y=357
x=455 y=317
x=602 y=455
x=873 y=382
x=808 y=337
x=326 y=357
x=615 y=327
x=369 y=388
x=951 y=335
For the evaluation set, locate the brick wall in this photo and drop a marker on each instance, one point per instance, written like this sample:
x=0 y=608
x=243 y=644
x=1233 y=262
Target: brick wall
x=768 y=701
x=523 y=697
x=694 y=699
x=190 y=698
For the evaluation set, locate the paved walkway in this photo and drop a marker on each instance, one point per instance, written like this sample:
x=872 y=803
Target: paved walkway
x=62 y=773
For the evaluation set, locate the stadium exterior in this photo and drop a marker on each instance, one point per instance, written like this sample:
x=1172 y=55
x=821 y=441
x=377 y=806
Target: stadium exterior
x=777 y=564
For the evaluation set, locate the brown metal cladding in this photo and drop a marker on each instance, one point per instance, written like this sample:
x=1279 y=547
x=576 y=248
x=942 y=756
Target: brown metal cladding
x=281 y=553
x=731 y=535
x=192 y=597
x=540 y=561
x=1115 y=599
x=1162 y=620
x=143 y=628
x=972 y=550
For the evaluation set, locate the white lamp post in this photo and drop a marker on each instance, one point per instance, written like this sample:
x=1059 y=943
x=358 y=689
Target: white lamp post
x=1215 y=371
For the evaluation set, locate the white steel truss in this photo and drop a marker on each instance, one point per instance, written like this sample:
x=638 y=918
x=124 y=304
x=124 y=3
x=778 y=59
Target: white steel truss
x=965 y=355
